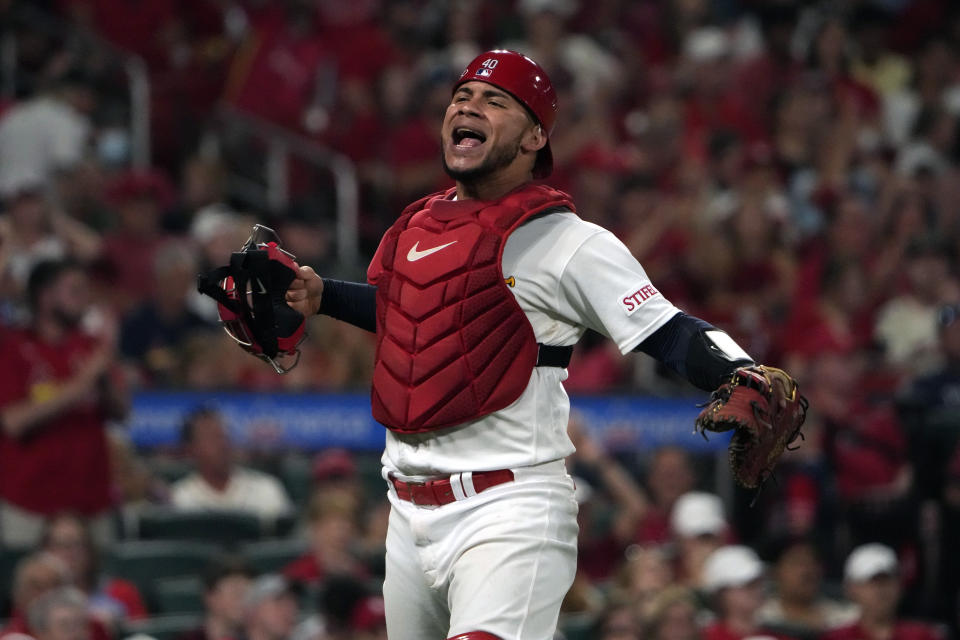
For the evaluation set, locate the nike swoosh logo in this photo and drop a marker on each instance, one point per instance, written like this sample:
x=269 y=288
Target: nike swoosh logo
x=413 y=255
x=263 y=289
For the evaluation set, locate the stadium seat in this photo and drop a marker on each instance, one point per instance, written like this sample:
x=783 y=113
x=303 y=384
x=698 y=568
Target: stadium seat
x=170 y=469
x=578 y=627
x=160 y=627
x=144 y=562
x=226 y=528
x=369 y=469
x=179 y=595
x=270 y=556
x=296 y=473
x=8 y=562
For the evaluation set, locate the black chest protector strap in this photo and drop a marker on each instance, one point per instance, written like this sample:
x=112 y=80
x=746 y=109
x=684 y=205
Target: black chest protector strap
x=554 y=356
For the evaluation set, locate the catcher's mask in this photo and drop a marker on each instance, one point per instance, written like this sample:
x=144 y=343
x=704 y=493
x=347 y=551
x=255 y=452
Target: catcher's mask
x=250 y=294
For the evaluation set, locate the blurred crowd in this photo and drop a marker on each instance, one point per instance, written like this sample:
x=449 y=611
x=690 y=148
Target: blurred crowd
x=786 y=170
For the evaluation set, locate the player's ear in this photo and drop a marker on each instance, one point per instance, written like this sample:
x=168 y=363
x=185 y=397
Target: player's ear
x=534 y=139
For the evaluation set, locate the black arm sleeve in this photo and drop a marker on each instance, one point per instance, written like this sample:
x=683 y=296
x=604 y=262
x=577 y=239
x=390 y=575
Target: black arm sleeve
x=681 y=345
x=352 y=302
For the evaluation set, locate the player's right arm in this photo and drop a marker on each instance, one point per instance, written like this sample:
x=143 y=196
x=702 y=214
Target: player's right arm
x=351 y=302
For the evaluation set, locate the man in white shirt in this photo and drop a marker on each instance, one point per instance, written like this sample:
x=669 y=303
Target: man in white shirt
x=46 y=134
x=218 y=483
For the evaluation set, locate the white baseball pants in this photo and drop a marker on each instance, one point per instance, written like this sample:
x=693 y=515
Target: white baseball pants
x=500 y=561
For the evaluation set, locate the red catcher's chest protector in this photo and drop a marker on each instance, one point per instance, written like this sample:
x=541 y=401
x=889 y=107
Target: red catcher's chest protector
x=453 y=344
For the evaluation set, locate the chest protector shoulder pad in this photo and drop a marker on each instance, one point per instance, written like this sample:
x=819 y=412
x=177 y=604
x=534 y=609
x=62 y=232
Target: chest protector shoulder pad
x=453 y=344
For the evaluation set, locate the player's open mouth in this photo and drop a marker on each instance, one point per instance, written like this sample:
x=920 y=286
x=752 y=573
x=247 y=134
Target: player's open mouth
x=465 y=138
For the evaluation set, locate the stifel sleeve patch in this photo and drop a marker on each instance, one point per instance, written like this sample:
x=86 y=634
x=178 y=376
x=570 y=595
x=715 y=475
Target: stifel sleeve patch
x=632 y=299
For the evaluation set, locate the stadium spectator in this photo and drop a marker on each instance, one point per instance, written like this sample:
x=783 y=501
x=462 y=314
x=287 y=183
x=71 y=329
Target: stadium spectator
x=202 y=184
x=797 y=606
x=646 y=573
x=35 y=577
x=282 y=65
x=603 y=553
x=346 y=609
x=126 y=264
x=866 y=450
x=136 y=484
x=733 y=580
x=152 y=334
x=218 y=483
x=699 y=528
x=148 y=31
x=226 y=582
x=619 y=621
x=32 y=231
x=335 y=472
x=47 y=134
x=672 y=615
x=56 y=395
x=872 y=580
x=941 y=388
x=906 y=324
x=335 y=468
x=270 y=609
x=332 y=528
x=109 y=600
x=669 y=476
x=368 y=621
x=60 y=615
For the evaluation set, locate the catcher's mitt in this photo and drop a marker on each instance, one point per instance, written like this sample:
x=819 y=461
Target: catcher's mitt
x=764 y=407
x=250 y=294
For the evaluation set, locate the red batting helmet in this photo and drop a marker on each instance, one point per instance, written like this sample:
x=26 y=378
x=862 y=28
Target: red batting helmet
x=526 y=81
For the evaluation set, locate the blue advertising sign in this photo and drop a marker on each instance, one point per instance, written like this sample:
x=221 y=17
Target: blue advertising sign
x=317 y=421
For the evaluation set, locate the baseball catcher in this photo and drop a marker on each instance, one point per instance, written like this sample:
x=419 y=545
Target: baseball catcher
x=476 y=296
x=764 y=408
x=250 y=294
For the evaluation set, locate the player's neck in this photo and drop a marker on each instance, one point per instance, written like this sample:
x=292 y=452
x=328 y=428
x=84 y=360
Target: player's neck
x=492 y=187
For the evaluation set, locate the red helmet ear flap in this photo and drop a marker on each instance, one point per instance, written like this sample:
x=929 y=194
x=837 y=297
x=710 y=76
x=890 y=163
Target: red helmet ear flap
x=250 y=294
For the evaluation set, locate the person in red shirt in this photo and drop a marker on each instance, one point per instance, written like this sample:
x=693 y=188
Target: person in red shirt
x=671 y=475
x=871 y=579
x=127 y=262
x=55 y=398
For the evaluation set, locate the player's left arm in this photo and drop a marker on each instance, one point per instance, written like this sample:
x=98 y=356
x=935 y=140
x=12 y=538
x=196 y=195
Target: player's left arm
x=640 y=318
x=695 y=350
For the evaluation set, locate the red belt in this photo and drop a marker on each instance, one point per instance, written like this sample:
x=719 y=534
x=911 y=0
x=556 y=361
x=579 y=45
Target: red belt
x=446 y=490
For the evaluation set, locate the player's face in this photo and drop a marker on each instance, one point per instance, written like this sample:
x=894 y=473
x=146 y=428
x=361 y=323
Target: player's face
x=484 y=130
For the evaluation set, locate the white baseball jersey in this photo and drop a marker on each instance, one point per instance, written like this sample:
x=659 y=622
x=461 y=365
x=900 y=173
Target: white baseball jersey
x=568 y=275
